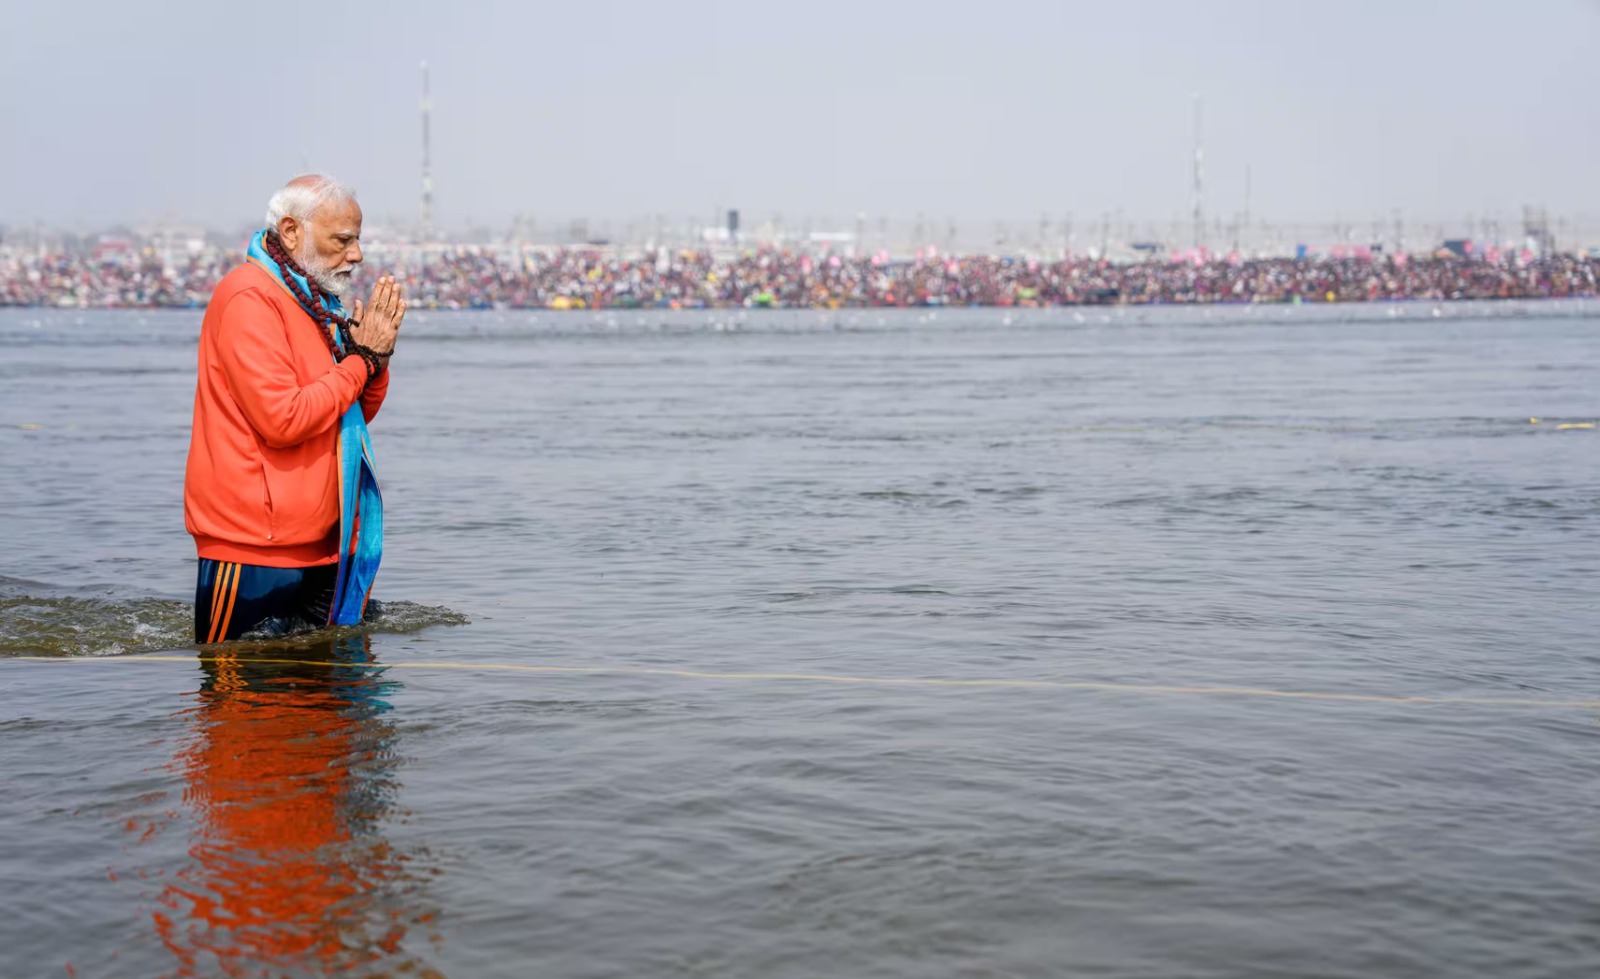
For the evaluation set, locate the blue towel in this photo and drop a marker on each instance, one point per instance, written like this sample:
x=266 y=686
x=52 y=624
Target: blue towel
x=360 y=500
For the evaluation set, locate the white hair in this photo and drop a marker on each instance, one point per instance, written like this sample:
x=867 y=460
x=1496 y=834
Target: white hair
x=301 y=198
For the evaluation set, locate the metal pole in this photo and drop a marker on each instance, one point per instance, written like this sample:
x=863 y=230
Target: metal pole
x=427 y=165
x=1199 y=161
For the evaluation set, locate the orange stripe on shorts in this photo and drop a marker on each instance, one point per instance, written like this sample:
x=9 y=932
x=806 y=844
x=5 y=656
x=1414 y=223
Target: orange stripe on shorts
x=216 y=592
x=233 y=593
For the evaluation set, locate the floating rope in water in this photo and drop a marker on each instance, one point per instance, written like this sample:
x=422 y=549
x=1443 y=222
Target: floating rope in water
x=1102 y=686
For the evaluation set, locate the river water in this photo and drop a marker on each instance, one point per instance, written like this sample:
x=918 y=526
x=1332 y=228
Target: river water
x=1143 y=643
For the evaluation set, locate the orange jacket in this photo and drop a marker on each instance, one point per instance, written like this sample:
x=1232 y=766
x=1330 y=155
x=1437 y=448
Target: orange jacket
x=261 y=485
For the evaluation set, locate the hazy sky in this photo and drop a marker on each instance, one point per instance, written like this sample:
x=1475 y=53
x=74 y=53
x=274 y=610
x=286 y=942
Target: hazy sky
x=116 y=111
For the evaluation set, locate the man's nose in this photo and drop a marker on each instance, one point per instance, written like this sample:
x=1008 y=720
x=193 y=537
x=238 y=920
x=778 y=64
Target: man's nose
x=353 y=253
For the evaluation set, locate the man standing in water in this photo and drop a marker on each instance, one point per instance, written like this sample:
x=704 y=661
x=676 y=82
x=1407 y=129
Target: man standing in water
x=280 y=491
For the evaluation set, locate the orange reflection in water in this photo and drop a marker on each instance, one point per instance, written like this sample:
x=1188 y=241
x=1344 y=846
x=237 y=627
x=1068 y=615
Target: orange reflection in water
x=289 y=774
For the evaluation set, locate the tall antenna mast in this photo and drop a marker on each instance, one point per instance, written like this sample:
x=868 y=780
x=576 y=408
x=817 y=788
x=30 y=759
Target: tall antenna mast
x=1199 y=161
x=1247 y=204
x=427 y=166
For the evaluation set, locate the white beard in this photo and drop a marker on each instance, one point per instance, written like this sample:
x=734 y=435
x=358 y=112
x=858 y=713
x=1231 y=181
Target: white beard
x=330 y=279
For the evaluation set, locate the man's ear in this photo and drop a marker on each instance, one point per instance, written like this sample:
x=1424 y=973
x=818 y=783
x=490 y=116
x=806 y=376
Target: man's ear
x=290 y=230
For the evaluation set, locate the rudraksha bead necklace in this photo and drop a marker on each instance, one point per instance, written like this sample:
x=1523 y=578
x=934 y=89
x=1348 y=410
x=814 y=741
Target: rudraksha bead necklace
x=327 y=320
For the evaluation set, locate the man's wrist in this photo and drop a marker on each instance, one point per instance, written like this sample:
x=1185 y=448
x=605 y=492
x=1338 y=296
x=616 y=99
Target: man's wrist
x=371 y=358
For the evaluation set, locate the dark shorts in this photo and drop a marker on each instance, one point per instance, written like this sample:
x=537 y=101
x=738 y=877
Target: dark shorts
x=233 y=599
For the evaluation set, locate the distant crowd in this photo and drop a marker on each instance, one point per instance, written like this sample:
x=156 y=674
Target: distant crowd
x=485 y=277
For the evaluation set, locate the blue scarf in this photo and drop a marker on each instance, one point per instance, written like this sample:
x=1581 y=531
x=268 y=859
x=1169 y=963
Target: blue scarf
x=360 y=501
